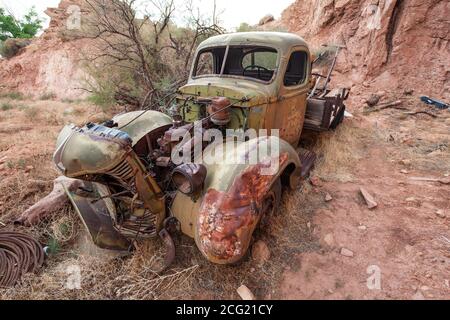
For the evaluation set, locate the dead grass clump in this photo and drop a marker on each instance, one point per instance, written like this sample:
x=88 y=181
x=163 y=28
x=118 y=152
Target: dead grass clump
x=338 y=151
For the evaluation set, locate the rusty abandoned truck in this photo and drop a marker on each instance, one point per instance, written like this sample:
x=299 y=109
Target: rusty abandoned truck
x=133 y=190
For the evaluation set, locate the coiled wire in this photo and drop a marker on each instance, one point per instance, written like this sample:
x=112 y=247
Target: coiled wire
x=19 y=254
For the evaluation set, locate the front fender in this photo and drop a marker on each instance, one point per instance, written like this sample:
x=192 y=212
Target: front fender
x=222 y=221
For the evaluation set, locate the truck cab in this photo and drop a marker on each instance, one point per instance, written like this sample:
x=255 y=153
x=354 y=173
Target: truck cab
x=268 y=75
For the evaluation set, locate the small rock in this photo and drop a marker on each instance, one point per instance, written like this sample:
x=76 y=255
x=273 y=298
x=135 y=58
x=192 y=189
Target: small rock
x=404 y=171
x=447 y=283
x=266 y=19
x=408 y=92
x=315 y=181
x=362 y=228
x=329 y=240
x=252 y=270
x=260 y=252
x=410 y=199
x=245 y=293
x=440 y=213
x=418 y=296
x=371 y=203
x=373 y=100
x=347 y=253
x=425 y=288
x=405 y=162
x=308 y=225
x=328 y=197
x=28 y=168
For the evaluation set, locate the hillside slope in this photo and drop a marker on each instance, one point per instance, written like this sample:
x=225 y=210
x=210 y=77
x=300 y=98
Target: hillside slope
x=51 y=64
x=392 y=44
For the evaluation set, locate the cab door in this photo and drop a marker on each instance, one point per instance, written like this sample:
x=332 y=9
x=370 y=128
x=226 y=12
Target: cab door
x=288 y=114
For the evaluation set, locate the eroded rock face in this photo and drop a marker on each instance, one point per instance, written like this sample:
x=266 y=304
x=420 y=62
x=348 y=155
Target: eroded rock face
x=51 y=63
x=395 y=44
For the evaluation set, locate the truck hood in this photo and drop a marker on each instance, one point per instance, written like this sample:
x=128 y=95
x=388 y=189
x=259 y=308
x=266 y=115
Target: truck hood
x=231 y=88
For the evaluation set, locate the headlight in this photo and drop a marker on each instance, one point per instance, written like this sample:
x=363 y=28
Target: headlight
x=189 y=178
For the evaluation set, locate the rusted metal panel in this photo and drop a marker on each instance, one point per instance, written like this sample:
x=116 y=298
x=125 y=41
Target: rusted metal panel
x=227 y=219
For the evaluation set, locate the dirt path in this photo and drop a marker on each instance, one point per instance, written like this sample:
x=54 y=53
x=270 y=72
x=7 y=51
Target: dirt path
x=406 y=239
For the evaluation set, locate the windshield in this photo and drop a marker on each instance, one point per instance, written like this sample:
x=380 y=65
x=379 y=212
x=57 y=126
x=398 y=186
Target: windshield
x=252 y=62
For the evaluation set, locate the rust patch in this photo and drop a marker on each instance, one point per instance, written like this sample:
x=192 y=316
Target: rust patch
x=227 y=219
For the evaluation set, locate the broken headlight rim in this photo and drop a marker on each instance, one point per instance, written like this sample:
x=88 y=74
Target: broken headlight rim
x=189 y=178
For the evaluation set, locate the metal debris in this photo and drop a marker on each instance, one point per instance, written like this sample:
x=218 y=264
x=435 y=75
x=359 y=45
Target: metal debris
x=433 y=102
x=19 y=254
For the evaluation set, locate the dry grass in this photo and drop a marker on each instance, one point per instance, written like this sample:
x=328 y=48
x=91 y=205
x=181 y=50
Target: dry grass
x=338 y=151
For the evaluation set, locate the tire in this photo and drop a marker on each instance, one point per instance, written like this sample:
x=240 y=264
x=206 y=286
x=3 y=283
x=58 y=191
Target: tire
x=274 y=196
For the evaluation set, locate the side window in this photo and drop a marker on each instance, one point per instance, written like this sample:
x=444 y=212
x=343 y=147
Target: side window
x=205 y=64
x=296 y=70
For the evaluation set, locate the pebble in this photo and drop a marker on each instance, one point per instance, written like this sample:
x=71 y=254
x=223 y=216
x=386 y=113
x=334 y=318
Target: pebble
x=347 y=253
x=329 y=240
x=328 y=197
x=440 y=213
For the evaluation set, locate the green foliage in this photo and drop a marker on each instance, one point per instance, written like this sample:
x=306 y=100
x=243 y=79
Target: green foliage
x=245 y=27
x=47 y=96
x=7 y=106
x=53 y=246
x=13 y=96
x=25 y=28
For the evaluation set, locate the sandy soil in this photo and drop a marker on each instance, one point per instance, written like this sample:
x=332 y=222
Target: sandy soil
x=406 y=237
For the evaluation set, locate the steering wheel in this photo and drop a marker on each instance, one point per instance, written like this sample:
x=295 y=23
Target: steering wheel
x=254 y=66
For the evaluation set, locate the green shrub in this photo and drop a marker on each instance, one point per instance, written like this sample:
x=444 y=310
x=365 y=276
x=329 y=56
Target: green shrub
x=13 y=96
x=47 y=96
x=7 y=106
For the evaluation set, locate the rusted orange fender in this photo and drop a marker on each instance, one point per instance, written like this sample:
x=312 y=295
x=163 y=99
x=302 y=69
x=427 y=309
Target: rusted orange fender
x=223 y=220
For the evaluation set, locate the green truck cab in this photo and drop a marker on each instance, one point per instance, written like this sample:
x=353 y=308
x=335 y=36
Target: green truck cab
x=134 y=185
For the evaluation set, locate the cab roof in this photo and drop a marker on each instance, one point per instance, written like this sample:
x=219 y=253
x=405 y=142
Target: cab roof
x=280 y=40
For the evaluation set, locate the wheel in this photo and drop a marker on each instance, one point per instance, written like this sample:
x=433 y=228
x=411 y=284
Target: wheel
x=271 y=203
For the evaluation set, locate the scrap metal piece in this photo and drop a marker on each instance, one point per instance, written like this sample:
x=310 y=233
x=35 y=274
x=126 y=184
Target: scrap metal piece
x=438 y=104
x=227 y=219
x=96 y=216
x=170 y=249
x=19 y=254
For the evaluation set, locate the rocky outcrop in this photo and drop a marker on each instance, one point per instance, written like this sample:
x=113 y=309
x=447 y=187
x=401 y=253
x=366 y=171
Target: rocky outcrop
x=51 y=63
x=392 y=44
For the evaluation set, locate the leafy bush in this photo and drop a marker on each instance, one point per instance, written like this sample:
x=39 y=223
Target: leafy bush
x=13 y=95
x=47 y=96
x=26 y=28
x=7 y=106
